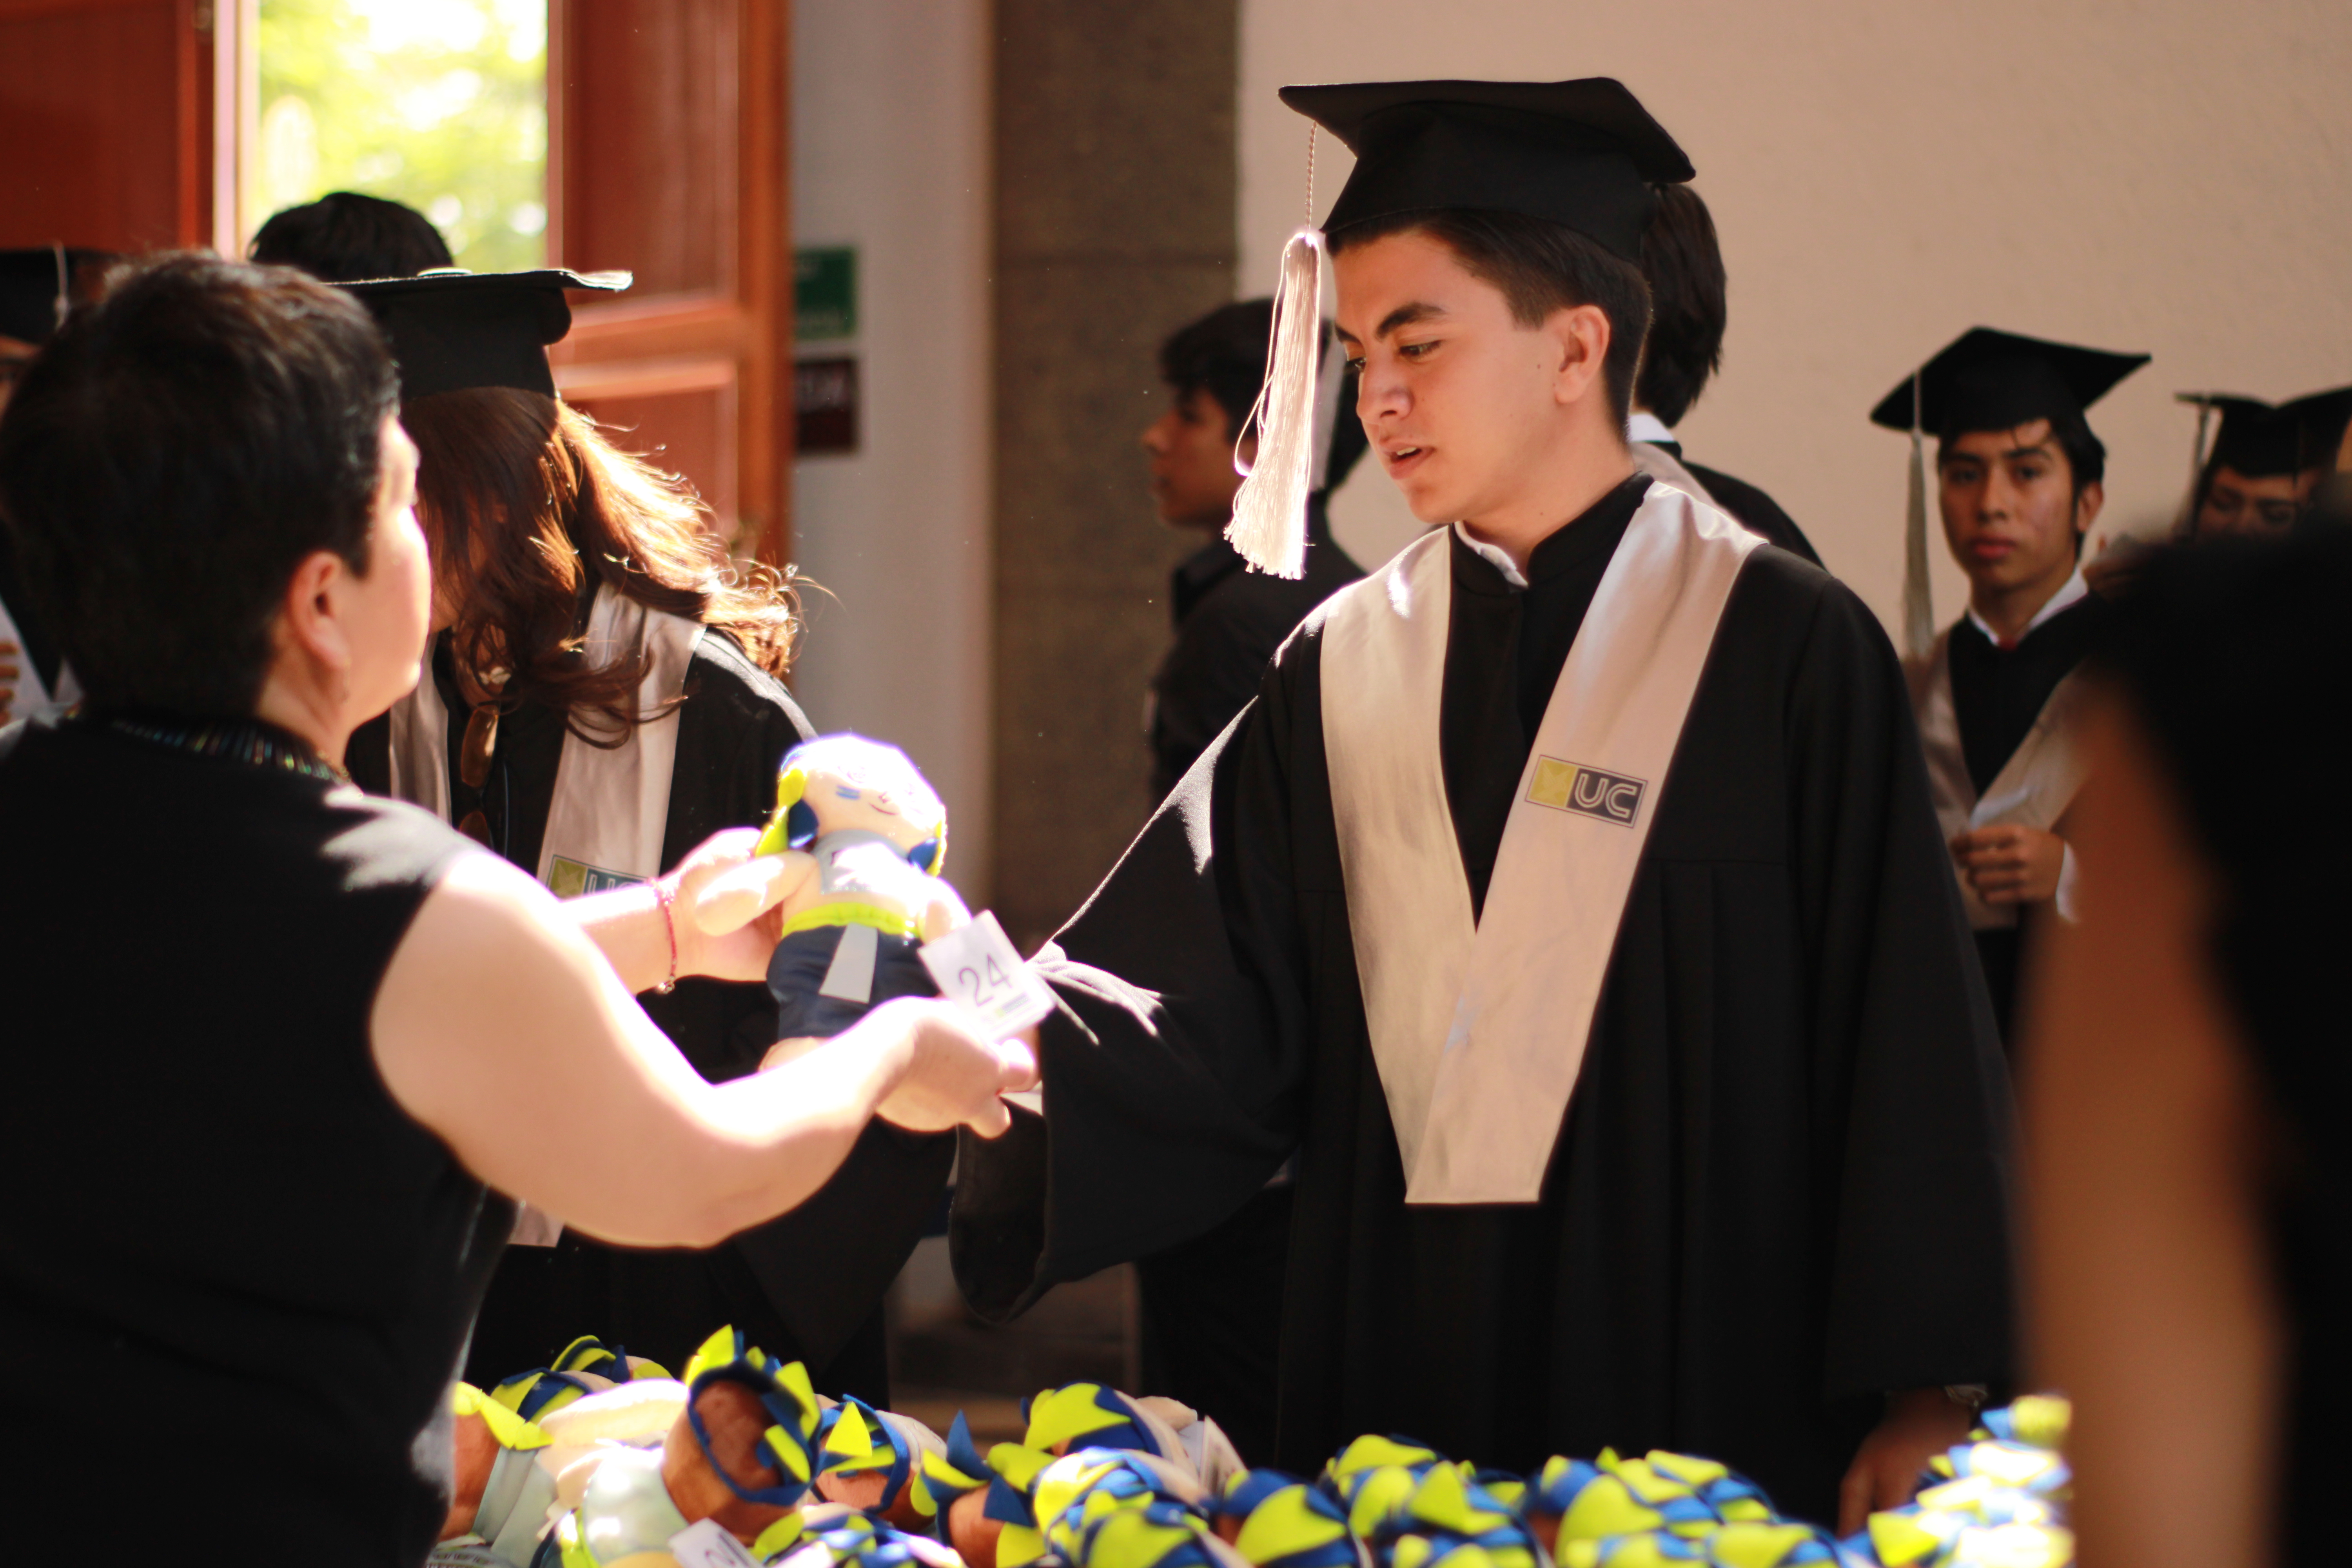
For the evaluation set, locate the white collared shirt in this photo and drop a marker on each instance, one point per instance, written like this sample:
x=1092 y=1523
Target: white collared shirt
x=2064 y=599
x=1644 y=426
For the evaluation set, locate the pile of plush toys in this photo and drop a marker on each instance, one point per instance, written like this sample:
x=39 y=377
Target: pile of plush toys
x=605 y=1461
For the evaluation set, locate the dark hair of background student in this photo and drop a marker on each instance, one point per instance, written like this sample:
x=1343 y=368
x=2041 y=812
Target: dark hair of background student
x=1684 y=265
x=1222 y=355
x=528 y=506
x=346 y=237
x=177 y=450
x=1540 y=267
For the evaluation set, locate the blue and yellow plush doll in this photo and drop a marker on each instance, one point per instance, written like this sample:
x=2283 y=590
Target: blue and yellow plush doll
x=855 y=846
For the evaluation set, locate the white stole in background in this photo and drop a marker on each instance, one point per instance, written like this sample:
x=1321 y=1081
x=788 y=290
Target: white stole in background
x=1479 y=1027
x=2033 y=788
x=610 y=809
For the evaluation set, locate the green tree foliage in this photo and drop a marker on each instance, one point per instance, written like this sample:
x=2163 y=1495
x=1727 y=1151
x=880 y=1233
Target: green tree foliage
x=438 y=103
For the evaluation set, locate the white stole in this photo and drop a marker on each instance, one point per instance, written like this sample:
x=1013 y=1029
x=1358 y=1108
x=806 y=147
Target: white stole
x=610 y=809
x=1479 y=1027
x=1668 y=469
x=2033 y=788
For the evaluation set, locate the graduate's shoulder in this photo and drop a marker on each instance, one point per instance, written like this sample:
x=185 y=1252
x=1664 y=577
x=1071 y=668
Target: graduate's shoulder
x=1784 y=597
x=729 y=686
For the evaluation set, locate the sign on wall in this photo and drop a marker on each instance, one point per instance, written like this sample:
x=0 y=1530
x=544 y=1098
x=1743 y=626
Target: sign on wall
x=825 y=401
x=824 y=293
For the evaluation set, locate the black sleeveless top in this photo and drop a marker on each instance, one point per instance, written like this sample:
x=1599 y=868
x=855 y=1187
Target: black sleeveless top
x=2235 y=654
x=230 y=1263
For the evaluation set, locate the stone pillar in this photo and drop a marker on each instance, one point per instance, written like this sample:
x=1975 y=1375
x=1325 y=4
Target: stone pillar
x=1114 y=204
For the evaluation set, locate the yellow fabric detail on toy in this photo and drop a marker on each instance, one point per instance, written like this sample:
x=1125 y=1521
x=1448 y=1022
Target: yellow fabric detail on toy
x=788 y=1451
x=1745 y=1510
x=1510 y=1494
x=1647 y=1484
x=510 y=1428
x=1444 y=1500
x=1017 y=1463
x=777 y=1537
x=1606 y=1507
x=850 y=1438
x=1018 y=1544
x=889 y=922
x=1636 y=1551
x=1579 y=1554
x=2011 y=1465
x=1684 y=1468
x=1063 y=1483
x=1059 y=1414
x=2041 y=1419
x=1284 y=1524
x=1131 y=1538
x=1756 y=1545
x=1411 y=1551
x=1899 y=1540
x=716 y=1351
x=571 y=1550
x=1967 y=1495
x=1371 y=1452
x=1385 y=1492
x=791 y=784
x=2015 y=1546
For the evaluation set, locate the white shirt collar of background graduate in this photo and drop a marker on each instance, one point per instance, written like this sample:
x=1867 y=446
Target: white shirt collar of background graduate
x=1478 y=1025
x=1644 y=426
x=610 y=807
x=2075 y=590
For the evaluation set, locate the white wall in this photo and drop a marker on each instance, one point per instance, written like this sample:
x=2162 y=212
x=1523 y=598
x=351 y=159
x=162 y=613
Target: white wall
x=2172 y=176
x=890 y=116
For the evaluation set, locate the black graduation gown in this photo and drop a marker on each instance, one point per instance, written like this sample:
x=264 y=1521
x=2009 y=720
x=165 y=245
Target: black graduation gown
x=1756 y=512
x=1782 y=1184
x=807 y=1286
x=1997 y=694
x=1228 y=621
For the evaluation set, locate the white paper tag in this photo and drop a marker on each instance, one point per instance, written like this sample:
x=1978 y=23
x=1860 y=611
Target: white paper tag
x=978 y=967
x=705 y=1545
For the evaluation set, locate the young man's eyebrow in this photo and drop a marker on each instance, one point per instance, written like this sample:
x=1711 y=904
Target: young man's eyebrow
x=1406 y=315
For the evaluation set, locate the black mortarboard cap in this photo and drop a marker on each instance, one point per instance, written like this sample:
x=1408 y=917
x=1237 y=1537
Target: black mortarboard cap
x=1986 y=380
x=452 y=329
x=1580 y=154
x=2263 y=440
x=29 y=287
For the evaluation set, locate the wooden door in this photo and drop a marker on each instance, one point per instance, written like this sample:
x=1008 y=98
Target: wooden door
x=666 y=156
x=106 y=120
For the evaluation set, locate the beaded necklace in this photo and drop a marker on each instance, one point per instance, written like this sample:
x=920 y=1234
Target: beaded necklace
x=246 y=740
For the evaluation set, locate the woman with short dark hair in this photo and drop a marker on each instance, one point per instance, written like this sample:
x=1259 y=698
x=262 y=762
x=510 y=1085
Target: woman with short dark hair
x=278 y=1040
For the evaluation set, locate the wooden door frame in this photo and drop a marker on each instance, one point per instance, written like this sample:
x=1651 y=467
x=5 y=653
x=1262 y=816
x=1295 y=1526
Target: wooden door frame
x=669 y=342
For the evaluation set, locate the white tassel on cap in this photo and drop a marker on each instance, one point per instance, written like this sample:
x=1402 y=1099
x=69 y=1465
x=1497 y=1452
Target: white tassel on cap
x=1270 y=525
x=1918 y=608
x=2184 y=522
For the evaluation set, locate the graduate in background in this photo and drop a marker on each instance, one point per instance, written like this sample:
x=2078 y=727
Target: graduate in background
x=1228 y=620
x=346 y=237
x=2020 y=479
x=2264 y=461
x=603 y=690
x=38 y=290
x=1683 y=264
x=1570 y=899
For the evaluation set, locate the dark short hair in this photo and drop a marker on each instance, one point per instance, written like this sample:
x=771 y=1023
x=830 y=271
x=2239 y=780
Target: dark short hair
x=1540 y=267
x=1222 y=355
x=175 y=452
x=1683 y=264
x=346 y=237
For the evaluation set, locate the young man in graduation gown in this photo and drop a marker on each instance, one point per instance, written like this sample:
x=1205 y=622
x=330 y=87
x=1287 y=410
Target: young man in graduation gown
x=1683 y=265
x=36 y=289
x=1569 y=901
x=2020 y=476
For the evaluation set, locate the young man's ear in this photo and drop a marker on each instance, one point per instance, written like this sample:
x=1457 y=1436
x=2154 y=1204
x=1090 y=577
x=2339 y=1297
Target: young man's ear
x=2087 y=504
x=1582 y=333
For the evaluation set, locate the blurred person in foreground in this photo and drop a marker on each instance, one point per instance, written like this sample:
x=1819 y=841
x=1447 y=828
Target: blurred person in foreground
x=1228 y=619
x=603 y=690
x=265 y=1202
x=38 y=288
x=1683 y=264
x=346 y=237
x=2191 y=1204
x=2019 y=478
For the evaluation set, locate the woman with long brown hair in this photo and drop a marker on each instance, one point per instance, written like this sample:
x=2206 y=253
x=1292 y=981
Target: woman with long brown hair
x=605 y=690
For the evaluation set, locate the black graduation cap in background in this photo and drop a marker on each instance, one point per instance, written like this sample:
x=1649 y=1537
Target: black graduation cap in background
x=2263 y=440
x=1580 y=153
x=33 y=281
x=1988 y=379
x=451 y=329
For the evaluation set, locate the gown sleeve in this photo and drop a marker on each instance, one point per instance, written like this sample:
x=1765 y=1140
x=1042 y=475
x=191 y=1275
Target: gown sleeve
x=1908 y=1062
x=1173 y=1071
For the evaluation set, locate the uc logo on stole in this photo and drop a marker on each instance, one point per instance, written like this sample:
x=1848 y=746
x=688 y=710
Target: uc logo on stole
x=1587 y=792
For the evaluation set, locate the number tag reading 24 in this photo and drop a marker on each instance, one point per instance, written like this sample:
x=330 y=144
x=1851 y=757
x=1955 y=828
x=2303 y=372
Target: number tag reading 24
x=978 y=967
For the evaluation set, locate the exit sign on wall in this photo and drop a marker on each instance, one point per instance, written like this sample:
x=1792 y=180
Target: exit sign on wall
x=824 y=293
